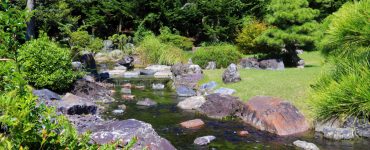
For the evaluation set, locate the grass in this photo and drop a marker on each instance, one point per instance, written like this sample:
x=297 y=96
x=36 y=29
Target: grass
x=291 y=84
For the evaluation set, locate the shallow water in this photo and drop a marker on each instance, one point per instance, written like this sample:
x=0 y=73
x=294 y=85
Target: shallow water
x=165 y=119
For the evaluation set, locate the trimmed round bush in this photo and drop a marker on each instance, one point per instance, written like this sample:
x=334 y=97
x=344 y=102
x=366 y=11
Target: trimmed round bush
x=223 y=55
x=46 y=65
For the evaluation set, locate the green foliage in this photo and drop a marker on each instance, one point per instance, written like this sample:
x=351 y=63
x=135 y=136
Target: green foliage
x=344 y=91
x=246 y=40
x=120 y=40
x=46 y=65
x=10 y=78
x=168 y=37
x=153 y=51
x=12 y=29
x=293 y=23
x=222 y=54
x=82 y=41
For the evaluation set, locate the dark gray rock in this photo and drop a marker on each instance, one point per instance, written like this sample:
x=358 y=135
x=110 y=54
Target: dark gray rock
x=131 y=74
x=92 y=91
x=271 y=64
x=89 y=63
x=184 y=91
x=46 y=94
x=188 y=80
x=84 y=122
x=77 y=66
x=147 y=72
x=75 y=105
x=180 y=69
x=221 y=106
x=126 y=130
x=305 y=145
x=362 y=126
x=204 y=140
x=195 y=69
x=146 y=102
x=211 y=65
x=339 y=133
x=128 y=62
x=249 y=63
x=231 y=74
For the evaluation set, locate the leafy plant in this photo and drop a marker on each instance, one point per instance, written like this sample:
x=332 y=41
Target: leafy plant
x=119 y=39
x=153 y=51
x=222 y=54
x=46 y=65
x=168 y=37
x=246 y=40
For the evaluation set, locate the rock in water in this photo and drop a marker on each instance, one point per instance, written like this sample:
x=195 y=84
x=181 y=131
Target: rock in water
x=305 y=145
x=125 y=131
x=192 y=124
x=92 y=91
x=339 y=133
x=211 y=66
x=146 y=102
x=231 y=74
x=192 y=102
x=184 y=91
x=147 y=72
x=204 y=140
x=118 y=111
x=274 y=115
x=127 y=62
x=221 y=106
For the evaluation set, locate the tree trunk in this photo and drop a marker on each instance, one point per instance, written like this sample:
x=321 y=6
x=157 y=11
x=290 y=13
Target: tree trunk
x=31 y=24
x=291 y=58
x=120 y=25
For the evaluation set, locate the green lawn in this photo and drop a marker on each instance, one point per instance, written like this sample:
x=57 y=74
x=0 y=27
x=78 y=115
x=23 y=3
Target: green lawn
x=291 y=84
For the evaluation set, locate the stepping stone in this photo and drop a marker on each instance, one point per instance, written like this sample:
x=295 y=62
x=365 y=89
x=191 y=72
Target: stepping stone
x=192 y=124
x=131 y=74
x=204 y=140
x=147 y=102
x=243 y=133
x=147 y=72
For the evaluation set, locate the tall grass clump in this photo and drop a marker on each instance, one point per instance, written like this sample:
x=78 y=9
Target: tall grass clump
x=345 y=90
x=222 y=54
x=153 y=51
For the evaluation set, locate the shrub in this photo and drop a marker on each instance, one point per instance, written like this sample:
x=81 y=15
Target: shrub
x=344 y=91
x=46 y=65
x=222 y=54
x=82 y=41
x=168 y=37
x=246 y=39
x=153 y=51
x=10 y=78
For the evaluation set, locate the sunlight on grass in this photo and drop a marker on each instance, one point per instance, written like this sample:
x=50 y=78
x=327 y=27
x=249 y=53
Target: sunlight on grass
x=291 y=84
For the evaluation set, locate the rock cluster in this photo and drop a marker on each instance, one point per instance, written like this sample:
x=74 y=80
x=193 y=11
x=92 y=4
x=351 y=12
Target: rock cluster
x=268 y=64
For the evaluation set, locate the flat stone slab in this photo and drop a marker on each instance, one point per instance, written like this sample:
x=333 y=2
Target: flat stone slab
x=133 y=74
x=305 y=145
x=339 y=133
x=46 y=94
x=146 y=102
x=274 y=115
x=204 y=140
x=163 y=74
x=192 y=124
x=192 y=102
x=116 y=73
x=147 y=72
x=158 y=68
x=184 y=91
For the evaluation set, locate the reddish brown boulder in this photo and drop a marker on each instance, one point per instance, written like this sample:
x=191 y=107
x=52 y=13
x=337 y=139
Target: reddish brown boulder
x=242 y=133
x=192 y=124
x=274 y=115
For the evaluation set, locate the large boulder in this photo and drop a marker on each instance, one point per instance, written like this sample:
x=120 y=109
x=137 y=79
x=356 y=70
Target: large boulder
x=92 y=91
x=124 y=131
x=188 y=80
x=128 y=62
x=45 y=94
x=272 y=64
x=75 y=105
x=274 y=115
x=84 y=122
x=192 y=102
x=361 y=125
x=231 y=74
x=221 y=106
x=249 y=63
x=180 y=69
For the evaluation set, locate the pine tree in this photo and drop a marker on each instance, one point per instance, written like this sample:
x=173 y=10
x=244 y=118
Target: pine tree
x=293 y=26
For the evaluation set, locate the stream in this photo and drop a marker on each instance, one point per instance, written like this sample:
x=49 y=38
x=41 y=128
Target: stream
x=165 y=119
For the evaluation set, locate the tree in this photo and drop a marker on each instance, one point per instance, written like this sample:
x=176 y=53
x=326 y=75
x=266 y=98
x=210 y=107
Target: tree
x=293 y=27
x=31 y=24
